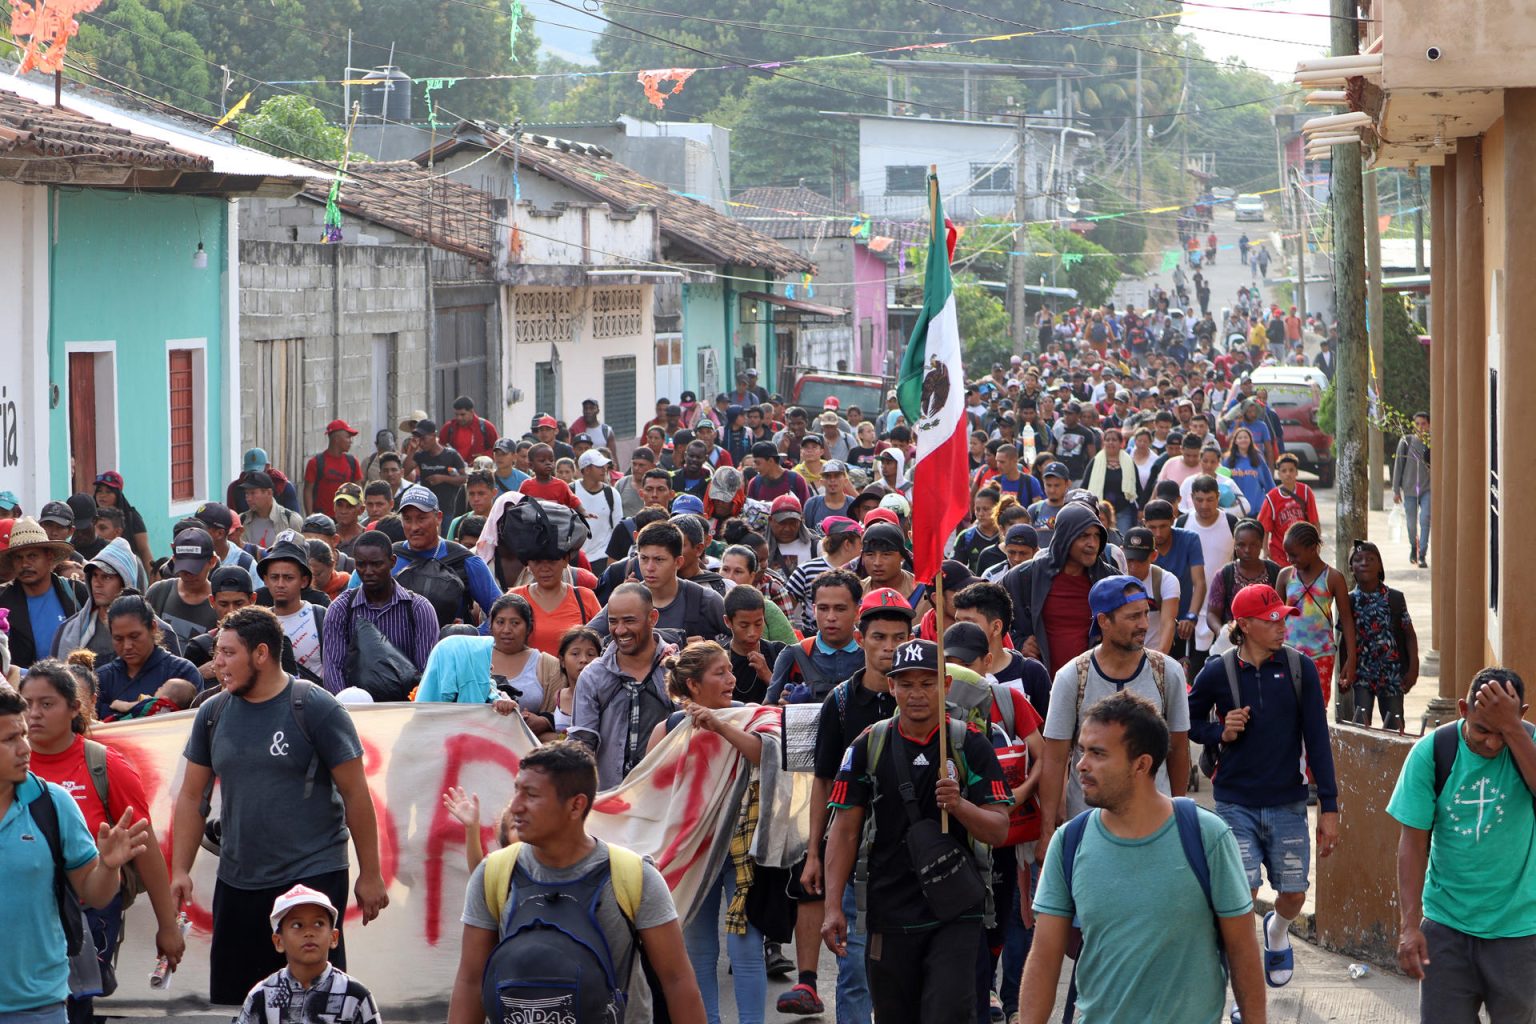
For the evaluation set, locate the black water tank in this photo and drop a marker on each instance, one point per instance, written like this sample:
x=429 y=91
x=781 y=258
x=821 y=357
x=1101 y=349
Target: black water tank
x=387 y=95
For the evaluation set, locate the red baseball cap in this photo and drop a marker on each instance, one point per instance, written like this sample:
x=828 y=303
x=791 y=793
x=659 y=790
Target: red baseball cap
x=831 y=403
x=547 y=421
x=882 y=599
x=785 y=506
x=880 y=514
x=335 y=425
x=1260 y=601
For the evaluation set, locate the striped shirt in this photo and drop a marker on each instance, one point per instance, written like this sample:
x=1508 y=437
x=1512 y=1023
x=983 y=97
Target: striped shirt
x=407 y=621
x=800 y=582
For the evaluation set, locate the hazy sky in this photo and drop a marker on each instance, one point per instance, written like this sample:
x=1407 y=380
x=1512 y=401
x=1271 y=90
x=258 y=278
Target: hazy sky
x=1286 y=34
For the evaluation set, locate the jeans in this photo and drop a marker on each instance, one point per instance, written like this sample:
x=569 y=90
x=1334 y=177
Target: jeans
x=749 y=975
x=1416 y=511
x=1277 y=839
x=1125 y=519
x=53 y=1014
x=854 y=1005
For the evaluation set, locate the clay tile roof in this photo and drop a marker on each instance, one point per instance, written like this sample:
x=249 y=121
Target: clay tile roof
x=30 y=129
x=687 y=223
x=796 y=212
x=423 y=204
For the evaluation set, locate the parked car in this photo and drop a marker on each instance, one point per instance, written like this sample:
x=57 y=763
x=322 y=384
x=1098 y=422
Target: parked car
x=1248 y=207
x=812 y=387
x=1294 y=394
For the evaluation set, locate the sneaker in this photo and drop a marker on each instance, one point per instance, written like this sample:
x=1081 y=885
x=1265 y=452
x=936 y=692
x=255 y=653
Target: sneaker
x=800 y=1001
x=779 y=966
x=996 y=1008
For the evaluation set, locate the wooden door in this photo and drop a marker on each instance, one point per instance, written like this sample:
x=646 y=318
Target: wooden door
x=82 y=419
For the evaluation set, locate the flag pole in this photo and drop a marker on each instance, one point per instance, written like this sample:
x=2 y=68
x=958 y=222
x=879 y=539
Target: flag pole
x=938 y=580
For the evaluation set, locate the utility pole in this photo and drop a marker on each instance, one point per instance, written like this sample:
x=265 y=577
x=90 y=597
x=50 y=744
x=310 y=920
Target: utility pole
x=1378 y=328
x=1349 y=299
x=1139 y=130
x=1184 y=137
x=1300 y=225
x=1018 y=306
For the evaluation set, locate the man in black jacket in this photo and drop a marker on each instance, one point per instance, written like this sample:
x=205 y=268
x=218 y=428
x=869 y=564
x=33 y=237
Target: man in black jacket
x=37 y=599
x=1063 y=576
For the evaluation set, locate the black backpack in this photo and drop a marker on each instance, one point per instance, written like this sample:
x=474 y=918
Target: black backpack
x=554 y=963
x=440 y=580
x=46 y=817
x=536 y=529
x=378 y=666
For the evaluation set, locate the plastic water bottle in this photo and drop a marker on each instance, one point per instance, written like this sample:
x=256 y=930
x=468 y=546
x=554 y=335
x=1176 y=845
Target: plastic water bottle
x=1358 y=971
x=1397 y=524
x=160 y=977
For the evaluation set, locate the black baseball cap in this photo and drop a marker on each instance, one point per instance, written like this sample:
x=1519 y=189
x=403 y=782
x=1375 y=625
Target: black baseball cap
x=231 y=579
x=966 y=641
x=1022 y=533
x=1138 y=543
x=320 y=523
x=215 y=514
x=916 y=656
x=882 y=536
x=84 y=508
x=57 y=513
x=765 y=450
x=258 y=482
x=191 y=551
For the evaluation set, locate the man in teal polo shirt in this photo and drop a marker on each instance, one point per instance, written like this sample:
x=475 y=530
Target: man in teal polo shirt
x=33 y=986
x=1466 y=860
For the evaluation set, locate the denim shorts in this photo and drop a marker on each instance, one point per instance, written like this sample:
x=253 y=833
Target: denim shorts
x=1277 y=838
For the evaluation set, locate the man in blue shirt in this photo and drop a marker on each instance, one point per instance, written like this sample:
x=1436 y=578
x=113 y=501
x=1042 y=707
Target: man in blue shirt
x=37 y=599
x=36 y=984
x=1179 y=552
x=422 y=519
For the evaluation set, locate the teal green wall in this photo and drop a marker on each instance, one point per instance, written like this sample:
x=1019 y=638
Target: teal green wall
x=712 y=318
x=122 y=271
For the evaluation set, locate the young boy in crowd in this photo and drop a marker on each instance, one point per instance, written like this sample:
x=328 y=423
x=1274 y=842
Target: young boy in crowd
x=1289 y=501
x=304 y=931
x=172 y=695
x=752 y=657
x=545 y=485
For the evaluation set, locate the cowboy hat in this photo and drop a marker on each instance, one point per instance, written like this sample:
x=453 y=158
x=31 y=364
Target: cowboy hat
x=29 y=533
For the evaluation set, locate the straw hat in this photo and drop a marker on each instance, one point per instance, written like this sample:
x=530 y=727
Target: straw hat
x=27 y=532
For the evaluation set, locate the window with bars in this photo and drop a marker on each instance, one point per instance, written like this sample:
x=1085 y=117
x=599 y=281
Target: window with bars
x=186 y=398
x=900 y=180
x=992 y=178
x=544 y=389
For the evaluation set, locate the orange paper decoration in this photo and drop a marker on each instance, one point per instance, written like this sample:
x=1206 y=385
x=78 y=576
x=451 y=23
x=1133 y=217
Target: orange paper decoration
x=652 y=80
x=48 y=27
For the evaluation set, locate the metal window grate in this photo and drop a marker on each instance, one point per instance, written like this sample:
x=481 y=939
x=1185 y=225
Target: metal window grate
x=183 y=426
x=619 y=394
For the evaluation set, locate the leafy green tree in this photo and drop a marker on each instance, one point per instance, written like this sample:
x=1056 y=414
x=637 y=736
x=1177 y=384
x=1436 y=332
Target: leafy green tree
x=289 y=125
x=780 y=137
x=1074 y=262
x=983 y=324
x=134 y=45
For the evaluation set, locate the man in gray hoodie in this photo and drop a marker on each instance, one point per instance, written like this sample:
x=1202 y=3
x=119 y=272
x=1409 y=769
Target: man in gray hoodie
x=622 y=695
x=108 y=576
x=1051 y=618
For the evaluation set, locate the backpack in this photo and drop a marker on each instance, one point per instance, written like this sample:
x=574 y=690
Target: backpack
x=1156 y=660
x=298 y=692
x=554 y=962
x=46 y=817
x=440 y=580
x=1186 y=814
x=806 y=671
x=538 y=529
x=1228 y=576
x=96 y=764
x=1210 y=753
x=1446 y=747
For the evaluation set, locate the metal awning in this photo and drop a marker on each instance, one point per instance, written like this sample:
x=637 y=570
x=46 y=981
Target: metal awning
x=798 y=305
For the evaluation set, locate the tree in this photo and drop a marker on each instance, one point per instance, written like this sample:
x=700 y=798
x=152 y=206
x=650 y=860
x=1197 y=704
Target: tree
x=134 y=45
x=983 y=321
x=292 y=125
x=1074 y=262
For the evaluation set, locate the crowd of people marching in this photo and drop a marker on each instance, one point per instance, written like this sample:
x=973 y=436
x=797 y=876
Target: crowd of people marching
x=1139 y=601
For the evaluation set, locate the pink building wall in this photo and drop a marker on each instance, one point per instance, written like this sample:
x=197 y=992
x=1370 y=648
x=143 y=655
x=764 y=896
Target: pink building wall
x=869 y=273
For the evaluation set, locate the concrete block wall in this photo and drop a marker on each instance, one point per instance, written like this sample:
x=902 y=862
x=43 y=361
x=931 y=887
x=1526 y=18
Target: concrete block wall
x=288 y=290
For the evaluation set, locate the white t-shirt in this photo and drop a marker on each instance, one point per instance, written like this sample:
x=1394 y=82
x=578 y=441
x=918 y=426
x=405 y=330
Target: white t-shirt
x=1216 y=543
x=1168 y=596
x=607 y=518
x=304 y=637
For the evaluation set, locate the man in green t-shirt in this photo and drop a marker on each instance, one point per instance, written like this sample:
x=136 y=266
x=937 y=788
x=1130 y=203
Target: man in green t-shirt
x=1469 y=833
x=1150 y=932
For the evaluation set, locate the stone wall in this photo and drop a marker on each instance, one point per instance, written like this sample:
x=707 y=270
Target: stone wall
x=1357 y=885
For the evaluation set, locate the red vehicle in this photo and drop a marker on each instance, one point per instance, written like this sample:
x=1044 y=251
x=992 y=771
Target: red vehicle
x=812 y=387
x=1294 y=393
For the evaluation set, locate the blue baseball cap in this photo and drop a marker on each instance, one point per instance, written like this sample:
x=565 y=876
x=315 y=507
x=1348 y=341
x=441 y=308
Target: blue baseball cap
x=255 y=460
x=417 y=496
x=1114 y=592
x=1055 y=469
x=687 y=503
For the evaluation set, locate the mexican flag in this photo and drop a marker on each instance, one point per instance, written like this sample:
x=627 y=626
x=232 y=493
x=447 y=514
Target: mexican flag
x=931 y=390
